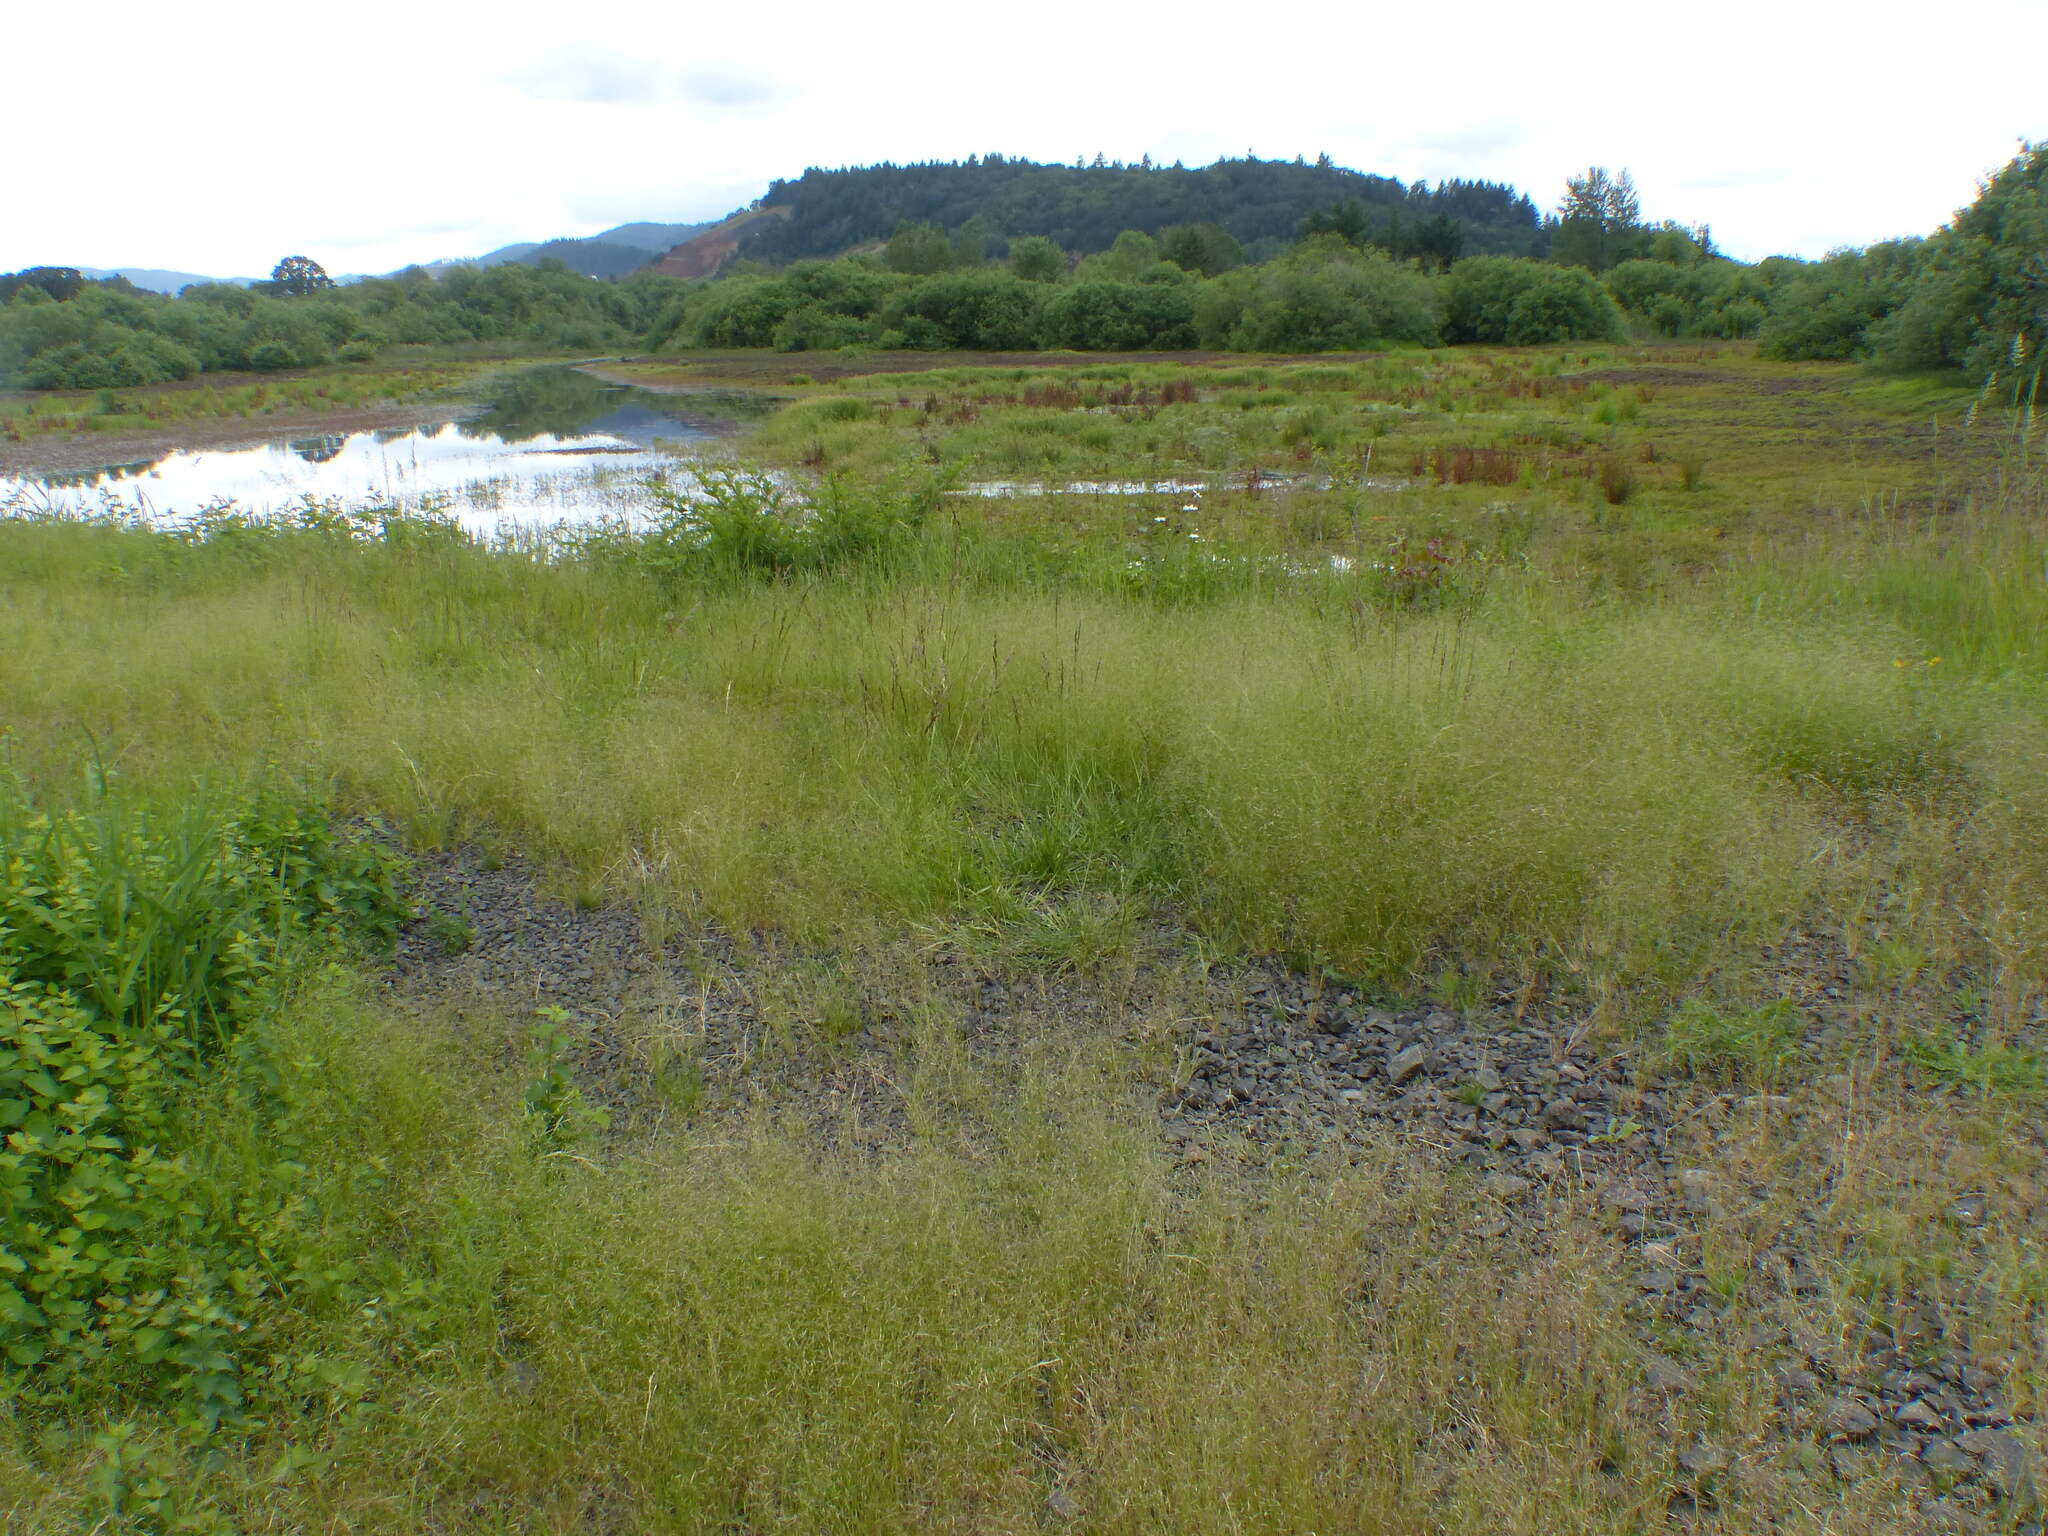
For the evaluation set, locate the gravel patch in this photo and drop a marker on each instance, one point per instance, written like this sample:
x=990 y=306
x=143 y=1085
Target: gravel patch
x=1267 y=1061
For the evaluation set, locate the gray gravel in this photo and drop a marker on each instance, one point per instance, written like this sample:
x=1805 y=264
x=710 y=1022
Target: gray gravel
x=1266 y=1059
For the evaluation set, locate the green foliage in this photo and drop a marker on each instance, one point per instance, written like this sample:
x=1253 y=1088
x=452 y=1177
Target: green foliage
x=1326 y=297
x=1700 y=297
x=298 y=277
x=1525 y=303
x=986 y=310
x=729 y=522
x=1260 y=204
x=1600 y=221
x=135 y=950
x=556 y=1105
x=1753 y=1045
x=101 y=336
x=1207 y=249
x=1120 y=317
x=1827 y=310
x=918 y=250
x=1980 y=300
x=1989 y=1068
x=1037 y=260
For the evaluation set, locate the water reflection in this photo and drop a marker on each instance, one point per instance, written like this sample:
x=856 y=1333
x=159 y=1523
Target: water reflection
x=567 y=402
x=552 y=444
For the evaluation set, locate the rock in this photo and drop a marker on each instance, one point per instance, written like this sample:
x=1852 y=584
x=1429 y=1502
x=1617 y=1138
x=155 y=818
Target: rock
x=1529 y=1139
x=2008 y=1463
x=519 y=1379
x=1702 y=1460
x=1793 y=1378
x=1662 y=1282
x=1563 y=1114
x=1847 y=1419
x=1665 y=1255
x=1969 y=1211
x=1946 y=1456
x=1696 y=1188
x=1663 y=1374
x=1407 y=1064
x=1061 y=1505
x=1918 y=1415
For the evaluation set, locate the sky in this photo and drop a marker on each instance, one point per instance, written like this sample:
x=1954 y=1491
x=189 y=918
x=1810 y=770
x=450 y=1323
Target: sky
x=217 y=139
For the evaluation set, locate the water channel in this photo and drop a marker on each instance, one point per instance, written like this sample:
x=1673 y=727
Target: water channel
x=549 y=445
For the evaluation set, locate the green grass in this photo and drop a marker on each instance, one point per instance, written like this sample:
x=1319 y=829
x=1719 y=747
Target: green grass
x=1638 y=765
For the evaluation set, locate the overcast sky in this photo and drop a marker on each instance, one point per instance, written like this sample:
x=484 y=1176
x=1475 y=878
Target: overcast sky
x=218 y=138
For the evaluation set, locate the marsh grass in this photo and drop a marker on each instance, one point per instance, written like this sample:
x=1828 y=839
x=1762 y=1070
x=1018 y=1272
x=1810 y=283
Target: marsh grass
x=1619 y=772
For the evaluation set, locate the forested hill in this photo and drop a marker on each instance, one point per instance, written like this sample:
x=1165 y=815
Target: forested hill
x=1262 y=203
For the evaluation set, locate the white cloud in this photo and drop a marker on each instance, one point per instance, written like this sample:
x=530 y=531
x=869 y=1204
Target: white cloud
x=411 y=130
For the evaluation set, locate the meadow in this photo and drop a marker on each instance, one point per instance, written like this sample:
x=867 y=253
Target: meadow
x=1683 y=705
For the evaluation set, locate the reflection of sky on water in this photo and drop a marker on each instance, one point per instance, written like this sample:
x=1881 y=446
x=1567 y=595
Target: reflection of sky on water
x=555 y=446
x=488 y=480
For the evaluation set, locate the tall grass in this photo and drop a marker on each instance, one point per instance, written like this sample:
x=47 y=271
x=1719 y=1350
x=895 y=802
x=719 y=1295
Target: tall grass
x=1612 y=795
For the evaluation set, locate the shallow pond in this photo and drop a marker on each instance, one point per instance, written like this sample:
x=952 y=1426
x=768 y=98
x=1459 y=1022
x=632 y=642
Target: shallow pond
x=549 y=445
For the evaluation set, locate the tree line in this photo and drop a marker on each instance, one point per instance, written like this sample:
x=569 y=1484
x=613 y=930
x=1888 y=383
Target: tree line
x=1971 y=299
x=61 y=331
x=1261 y=204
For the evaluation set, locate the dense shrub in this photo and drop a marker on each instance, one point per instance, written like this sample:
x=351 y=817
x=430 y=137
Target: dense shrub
x=1121 y=317
x=983 y=309
x=1979 y=299
x=1827 y=309
x=134 y=952
x=1526 y=303
x=1329 y=297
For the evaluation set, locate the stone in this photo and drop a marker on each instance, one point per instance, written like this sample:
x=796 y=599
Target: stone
x=1061 y=1505
x=1847 y=1419
x=1702 y=1460
x=1407 y=1064
x=1969 y=1211
x=1663 y=1374
x=2008 y=1464
x=1918 y=1415
x=1946 y=1456
x=1528 y=1138
x=1662 y=1282
x=1794 y=1378
x=1696 y=1186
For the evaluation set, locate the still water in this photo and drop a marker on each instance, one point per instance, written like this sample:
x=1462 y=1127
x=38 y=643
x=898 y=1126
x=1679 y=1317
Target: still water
x=551 y=445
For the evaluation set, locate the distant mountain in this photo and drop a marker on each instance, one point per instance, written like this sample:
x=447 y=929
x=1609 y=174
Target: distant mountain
x=500 y=256
x=714 y=244
x=156 y=280
x=1263 y=203
x=613 y=253
x=658 y=238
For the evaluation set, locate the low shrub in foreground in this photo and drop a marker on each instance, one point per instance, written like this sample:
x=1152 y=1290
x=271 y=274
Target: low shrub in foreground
x=135 y=949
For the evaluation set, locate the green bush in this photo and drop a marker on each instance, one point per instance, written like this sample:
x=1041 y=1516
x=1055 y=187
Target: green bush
x=1121 y=317
x=1979 y=301
x=985 y=309
x=1526 y=303
x=1828 y=310
x=134 y=951
x=1327 y=298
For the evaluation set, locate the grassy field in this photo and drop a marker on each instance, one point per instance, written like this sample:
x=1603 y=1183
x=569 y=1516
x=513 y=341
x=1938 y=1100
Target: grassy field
x=1662 y=693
